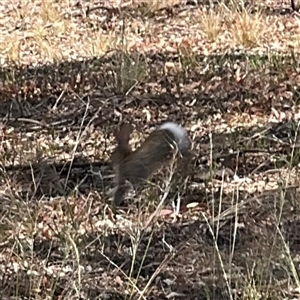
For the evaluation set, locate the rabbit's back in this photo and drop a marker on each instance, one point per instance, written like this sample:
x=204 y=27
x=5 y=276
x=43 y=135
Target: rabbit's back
x=156 y=150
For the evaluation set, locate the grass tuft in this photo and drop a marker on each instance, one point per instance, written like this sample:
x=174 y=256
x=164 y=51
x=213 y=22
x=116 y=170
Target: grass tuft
x=211 y=23
x=245 y=27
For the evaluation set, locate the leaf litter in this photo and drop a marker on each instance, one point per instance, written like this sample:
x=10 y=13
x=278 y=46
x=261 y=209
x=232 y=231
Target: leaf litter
x=238 y=98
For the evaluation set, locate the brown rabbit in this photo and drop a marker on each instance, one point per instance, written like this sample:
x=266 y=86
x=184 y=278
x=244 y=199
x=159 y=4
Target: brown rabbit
x=156 y=150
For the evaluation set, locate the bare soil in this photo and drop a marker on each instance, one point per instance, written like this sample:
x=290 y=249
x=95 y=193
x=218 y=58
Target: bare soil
x=71 y=71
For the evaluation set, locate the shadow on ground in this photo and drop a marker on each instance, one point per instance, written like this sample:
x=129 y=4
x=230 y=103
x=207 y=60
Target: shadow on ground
x=63 y=100
x=86 y=99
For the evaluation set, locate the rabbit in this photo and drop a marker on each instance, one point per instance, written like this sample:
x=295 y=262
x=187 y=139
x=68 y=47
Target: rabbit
x=155 y=151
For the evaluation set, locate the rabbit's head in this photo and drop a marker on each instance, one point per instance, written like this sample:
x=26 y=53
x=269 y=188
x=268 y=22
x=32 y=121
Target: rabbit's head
x=118 y=156
x=123 y=149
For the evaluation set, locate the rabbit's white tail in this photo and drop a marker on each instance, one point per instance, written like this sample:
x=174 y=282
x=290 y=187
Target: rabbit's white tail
x=179 y=133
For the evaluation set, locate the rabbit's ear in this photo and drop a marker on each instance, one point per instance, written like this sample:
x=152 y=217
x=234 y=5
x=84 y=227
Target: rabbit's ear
x=123 y=134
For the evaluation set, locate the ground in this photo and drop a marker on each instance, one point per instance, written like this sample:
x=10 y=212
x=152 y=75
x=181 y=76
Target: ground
x=72 y=71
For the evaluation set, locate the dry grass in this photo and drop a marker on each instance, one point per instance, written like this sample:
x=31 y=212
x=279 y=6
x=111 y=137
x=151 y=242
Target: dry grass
x=211 y=23
x=48 y=32
x=150 y=7
x=246 y=28
x=237 y=24
x=72 y=71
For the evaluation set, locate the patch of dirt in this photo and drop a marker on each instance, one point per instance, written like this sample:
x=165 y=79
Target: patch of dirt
x=81 y=68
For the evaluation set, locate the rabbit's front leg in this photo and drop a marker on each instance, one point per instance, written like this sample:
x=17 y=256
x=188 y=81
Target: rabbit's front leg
x=119 y=195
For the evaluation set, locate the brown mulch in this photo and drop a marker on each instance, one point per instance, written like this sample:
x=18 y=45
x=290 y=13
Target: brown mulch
x=239 y=207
